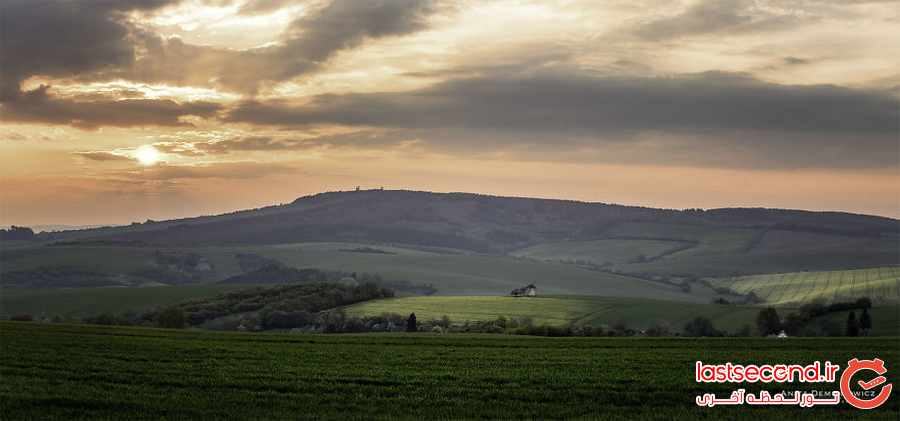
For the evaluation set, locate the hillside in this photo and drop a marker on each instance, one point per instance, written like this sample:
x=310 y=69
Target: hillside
x=462 y=244
x=881 y=285
x=481 y=223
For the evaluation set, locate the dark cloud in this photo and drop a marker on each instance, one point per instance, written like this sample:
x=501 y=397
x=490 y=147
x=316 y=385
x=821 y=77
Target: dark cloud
x=38 y=106
x=578 y=102
x=92 y=40
x=305 y=46
x=689 y=115
x=313 y=39
x=718 y=16
x=64 y=38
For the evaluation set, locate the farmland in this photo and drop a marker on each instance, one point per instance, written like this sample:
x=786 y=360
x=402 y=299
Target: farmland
x=89 y=372
x=80 y=302
x=881 y=284
x=596 y=311
x=635 y=312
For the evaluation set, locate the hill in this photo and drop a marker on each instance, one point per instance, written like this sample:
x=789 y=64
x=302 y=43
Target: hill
x=470 y=222
x=462 y=243
x=881 y=285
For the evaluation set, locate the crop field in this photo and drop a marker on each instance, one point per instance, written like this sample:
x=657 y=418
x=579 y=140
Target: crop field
x=635 y=312
x=596 y=311
x=90 y=372
x=881 y=284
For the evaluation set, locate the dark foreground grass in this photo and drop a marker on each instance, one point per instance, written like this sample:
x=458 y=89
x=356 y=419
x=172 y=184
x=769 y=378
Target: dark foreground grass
x=76 y=372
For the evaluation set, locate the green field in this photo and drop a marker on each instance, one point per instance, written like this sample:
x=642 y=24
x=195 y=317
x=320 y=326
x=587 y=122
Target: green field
x=596 y=311
x=80 y=302
x=881 y=285
x=451 y=274
x=600 y=252
x=88 y=372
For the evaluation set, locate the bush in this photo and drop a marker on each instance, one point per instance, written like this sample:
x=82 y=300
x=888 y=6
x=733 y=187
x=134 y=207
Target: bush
x=661 y=328
x=700 y=326
x=22 y=318
x=171 y=318
x=768 y=322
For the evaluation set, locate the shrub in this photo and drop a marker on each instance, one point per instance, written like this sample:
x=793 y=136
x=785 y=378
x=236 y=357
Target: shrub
x=171 y=318
x=700 y=326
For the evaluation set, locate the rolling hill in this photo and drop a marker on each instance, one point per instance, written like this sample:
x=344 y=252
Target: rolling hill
x=881 y=285
x=463 y=244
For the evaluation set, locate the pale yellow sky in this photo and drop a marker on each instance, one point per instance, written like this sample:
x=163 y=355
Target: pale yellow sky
x=165 y=108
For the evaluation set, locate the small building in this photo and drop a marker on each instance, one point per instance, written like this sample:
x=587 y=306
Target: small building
x=527 y=291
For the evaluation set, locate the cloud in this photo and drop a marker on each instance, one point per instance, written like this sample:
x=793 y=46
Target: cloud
x=357 y=140
x=580 y=102
x=38 y=106
x=307 y=44
x=64 y=38
x=255 y=7
x=696 y=119
x=717 y=17
x=102 y=156
x=795 y=61
x=223 y=170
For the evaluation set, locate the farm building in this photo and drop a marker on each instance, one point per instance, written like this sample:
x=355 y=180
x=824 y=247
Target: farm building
x=528 y=291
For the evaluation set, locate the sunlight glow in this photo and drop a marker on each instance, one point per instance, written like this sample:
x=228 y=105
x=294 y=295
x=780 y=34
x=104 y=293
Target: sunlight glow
x=147 y=155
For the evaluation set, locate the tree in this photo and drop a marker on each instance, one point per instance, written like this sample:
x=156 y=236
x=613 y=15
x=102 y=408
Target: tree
x=864 y=302
x=793 y=324
x=16 y=233
x=700 y=326
x=171 y=318
x=411 y=323
x=661 y=328
x=768 y=322
x=852 y=325
x=865 y=322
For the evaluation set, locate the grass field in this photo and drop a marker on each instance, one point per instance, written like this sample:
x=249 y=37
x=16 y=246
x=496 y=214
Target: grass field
x=600 y=251
x=636 y=313
x=881 y=284
x=87 y=372
x=451 y=274
x=80 y=302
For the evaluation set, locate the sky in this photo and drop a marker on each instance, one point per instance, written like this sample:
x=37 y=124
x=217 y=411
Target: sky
x=113 y=111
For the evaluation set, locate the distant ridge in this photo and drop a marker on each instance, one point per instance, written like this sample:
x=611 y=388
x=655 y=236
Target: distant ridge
x=467 y=221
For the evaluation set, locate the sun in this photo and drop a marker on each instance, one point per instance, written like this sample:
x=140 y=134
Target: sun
x=147 y=155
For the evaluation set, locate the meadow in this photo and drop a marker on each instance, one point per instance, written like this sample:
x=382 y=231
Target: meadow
x=89 y=372
x=451 y=273
x=636 y=313
x=881 y=284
